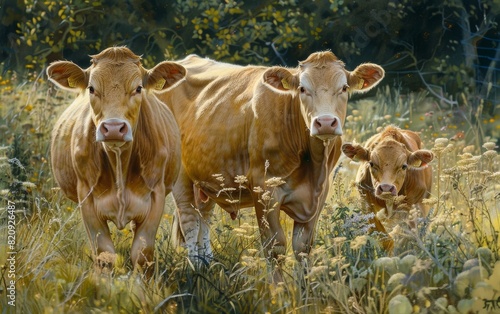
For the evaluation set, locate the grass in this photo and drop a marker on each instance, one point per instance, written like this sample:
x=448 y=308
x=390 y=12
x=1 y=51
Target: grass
x=448 y=263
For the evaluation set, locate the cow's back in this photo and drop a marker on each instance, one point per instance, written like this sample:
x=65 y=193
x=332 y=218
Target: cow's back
x=213 y=107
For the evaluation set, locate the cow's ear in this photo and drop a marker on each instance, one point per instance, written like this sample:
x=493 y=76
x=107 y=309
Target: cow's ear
x=280 y=79
x=365 y=77
x=67 y=75
x=356 y=152
x=164 y=75
x=420 y=158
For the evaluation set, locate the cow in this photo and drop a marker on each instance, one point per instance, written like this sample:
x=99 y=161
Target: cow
x=253 y=124
x=393 y=164
x=116 y=149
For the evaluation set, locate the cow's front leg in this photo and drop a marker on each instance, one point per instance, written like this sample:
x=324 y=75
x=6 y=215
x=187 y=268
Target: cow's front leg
x=386 y=241
x=142 y=252
x=99 y=235
x=204 y=247
x=303 y=237
x=272 y=237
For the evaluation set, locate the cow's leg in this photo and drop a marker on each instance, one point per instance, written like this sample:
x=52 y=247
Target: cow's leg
x=204 y=246
x=143 y=245
x=272 y=237
x=192 y=220
x=99 y=235
x=387 y=241
x=303 y=237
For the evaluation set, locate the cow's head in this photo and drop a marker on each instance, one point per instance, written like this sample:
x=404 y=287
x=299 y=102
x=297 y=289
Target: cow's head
x=323 y=85
x=389 y=162
x=115 y=85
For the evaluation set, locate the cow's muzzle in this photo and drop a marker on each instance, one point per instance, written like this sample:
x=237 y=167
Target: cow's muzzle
x=114 y=130
x=326 y=126
x=386 y=189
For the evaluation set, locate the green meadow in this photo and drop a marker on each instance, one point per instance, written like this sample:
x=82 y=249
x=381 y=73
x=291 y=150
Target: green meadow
x=448 y=262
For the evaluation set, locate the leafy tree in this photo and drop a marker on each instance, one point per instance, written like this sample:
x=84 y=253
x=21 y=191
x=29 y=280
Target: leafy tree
x=445 y=47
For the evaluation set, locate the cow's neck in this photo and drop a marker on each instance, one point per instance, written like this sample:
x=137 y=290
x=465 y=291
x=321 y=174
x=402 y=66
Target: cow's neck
x=318 y=151
x=322 y=160
x=119 y=160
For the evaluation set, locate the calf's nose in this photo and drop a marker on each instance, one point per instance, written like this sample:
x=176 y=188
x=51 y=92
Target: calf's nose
x=384 y=187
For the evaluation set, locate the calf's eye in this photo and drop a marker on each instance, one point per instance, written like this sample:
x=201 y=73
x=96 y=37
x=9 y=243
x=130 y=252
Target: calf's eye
x=302 y=90
x=404 y=167
x=138 y=89
x=91 y=90
x=371 y=164
x=345 y=88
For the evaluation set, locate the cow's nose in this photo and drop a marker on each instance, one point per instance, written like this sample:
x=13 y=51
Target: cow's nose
x=114 y=130
x=384 y=188
x=326 y=125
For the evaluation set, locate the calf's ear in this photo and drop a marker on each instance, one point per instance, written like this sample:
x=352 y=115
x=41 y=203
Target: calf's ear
x=356 y=152
x=365 y=77
x=280 y=79
x=164 y=75
x=68 y=75
x=420 y=158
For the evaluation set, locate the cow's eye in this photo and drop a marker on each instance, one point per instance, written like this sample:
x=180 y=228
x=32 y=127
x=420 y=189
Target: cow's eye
x=345 y=88
x=302 y=90
x=404 y=167
x=138 y=89
x=91 y=90
x=371 y=164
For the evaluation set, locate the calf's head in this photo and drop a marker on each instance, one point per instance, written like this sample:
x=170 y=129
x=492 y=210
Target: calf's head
x=322 y=83
x=389 y=161
x=115 y=85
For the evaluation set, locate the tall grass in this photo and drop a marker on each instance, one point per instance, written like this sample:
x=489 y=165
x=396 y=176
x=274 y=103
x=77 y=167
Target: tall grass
x=446 y=263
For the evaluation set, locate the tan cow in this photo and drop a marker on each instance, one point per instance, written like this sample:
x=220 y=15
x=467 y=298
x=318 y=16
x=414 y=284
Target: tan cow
x=393 y=163
x=116 y=148
x=234 y=119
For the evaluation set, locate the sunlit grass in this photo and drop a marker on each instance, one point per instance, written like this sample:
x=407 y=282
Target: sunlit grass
x=447 y=263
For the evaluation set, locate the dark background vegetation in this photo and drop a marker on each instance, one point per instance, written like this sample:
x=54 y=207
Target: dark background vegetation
x=449 y=48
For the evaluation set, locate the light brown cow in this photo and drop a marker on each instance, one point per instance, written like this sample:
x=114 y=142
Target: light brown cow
x=393 y=163
x=234 y=119
x=116 y=148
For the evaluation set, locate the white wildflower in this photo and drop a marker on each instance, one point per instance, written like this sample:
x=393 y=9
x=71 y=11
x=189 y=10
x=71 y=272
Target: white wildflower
x=469 y=149
x=489 y=145
x=240 y=179
x=274 y=182
x=258 y=189
x=441 y=142
x=359 y=242
x=30 y=185
x=266 y=196
x=490 y=154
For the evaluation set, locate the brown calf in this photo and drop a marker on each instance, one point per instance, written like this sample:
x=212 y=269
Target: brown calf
x=392 y=163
